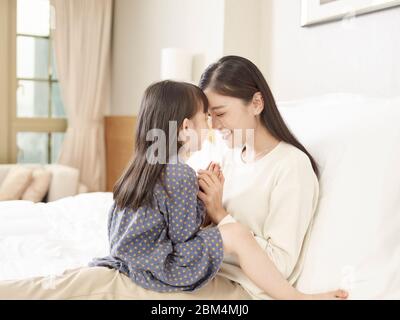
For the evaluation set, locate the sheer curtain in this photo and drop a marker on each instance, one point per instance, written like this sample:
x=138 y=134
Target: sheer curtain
x=82 y=41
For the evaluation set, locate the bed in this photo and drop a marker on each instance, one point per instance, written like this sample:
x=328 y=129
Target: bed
x=355 y=241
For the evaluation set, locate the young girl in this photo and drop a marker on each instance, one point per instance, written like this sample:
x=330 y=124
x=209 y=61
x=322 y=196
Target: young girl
x=155 y=224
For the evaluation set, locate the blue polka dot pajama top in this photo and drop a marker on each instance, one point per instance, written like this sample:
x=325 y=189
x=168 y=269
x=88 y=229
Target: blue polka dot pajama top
x=162 y=248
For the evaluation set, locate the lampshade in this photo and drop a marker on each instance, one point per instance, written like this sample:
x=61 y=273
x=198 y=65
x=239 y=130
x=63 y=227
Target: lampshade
x=176 y=64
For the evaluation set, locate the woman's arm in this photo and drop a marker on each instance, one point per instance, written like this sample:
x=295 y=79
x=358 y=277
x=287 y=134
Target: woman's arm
x=291 y=208
x=238 y=240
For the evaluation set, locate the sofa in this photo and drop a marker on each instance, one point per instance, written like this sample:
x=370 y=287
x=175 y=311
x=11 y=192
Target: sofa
x=64 y=180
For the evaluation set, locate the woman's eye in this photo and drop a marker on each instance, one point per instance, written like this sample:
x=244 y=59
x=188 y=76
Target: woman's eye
x=220 y=115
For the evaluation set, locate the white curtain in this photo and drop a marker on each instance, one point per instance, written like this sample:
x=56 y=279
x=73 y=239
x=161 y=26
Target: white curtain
x=82 y=40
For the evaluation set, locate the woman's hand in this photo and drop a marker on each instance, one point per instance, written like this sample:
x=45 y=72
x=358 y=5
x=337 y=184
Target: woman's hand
x=216 y=168
x=211 y=189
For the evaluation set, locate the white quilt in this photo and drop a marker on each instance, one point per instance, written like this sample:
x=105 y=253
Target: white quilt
x=45 y=239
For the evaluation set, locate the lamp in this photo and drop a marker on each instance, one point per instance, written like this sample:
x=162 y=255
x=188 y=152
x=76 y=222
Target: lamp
x=176 y=64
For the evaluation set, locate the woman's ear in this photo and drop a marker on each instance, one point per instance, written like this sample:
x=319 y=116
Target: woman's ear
x=258 y=103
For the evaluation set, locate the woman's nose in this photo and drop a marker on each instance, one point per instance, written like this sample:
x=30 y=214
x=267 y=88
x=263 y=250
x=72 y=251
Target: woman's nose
x=215 y=123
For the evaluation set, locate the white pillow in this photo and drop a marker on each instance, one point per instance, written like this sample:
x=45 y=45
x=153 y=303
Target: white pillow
x=355 y=242
x=39 y=186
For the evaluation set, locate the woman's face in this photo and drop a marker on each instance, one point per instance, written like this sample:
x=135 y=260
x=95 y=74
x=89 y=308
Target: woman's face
x=231 y=117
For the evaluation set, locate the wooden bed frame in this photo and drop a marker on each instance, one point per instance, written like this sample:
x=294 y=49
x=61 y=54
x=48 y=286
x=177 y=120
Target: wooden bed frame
x=119 y=136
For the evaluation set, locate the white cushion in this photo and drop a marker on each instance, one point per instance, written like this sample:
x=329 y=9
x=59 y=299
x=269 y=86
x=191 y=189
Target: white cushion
x=15 y=183
x=39 y=186
x=355 y=239
x=64 y=181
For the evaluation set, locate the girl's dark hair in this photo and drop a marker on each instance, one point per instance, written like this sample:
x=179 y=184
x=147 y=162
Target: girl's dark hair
x=240 y=78
x=162 y=102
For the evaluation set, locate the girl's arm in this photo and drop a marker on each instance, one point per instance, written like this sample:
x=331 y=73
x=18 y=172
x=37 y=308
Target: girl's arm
x=185 y=213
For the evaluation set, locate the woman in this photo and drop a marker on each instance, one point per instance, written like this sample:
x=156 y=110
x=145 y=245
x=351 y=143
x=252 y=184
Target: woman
x=276 y=193
x=275 y=196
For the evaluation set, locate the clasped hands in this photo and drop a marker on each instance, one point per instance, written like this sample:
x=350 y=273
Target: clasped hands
x=211 y=183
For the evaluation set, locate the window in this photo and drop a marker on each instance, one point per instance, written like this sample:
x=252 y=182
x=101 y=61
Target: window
x=37 y=117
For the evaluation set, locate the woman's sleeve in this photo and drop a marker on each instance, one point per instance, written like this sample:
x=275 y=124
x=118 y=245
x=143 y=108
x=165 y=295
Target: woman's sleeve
x=292 y=204
x=185 y=212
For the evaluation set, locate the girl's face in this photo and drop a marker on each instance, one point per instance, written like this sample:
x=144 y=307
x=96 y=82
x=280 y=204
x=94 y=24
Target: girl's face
x=195 y=130
x=229 y=115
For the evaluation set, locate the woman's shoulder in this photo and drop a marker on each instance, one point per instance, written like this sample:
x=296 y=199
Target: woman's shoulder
x=291 y=154
x=292 y=159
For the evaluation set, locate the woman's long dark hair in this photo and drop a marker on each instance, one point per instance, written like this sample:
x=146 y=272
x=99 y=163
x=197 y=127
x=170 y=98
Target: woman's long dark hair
x=162 y=102
x=240 y=78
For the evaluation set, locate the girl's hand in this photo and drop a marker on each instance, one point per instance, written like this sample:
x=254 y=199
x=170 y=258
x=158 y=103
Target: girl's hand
x=211 y=188
x=216 y=168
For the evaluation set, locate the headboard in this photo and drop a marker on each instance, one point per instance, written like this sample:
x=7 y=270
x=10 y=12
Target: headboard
x=120 y=141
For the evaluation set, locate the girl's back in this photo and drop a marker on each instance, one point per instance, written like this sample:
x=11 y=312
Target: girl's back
x=161 y=247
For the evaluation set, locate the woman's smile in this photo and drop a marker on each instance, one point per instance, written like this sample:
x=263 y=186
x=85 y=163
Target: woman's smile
x=226 y=133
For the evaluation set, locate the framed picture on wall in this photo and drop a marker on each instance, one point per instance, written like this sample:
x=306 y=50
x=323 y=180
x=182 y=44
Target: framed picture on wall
x=320 y=11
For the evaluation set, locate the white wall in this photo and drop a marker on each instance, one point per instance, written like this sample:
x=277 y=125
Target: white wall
x=143 y=27
x=358 y=56
x=242 y=29
x=207 y=28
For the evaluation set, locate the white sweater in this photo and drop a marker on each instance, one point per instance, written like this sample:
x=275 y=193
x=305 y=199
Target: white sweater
x=276 y=197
